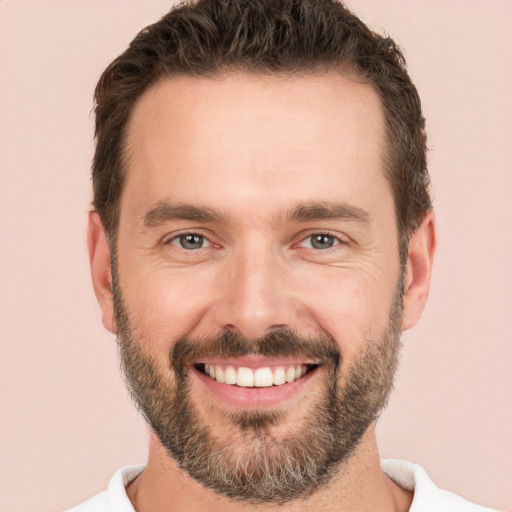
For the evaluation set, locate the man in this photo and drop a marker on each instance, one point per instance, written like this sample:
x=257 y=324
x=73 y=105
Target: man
x=262 y=233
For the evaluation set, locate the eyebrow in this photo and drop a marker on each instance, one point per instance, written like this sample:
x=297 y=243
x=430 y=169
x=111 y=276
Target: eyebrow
x=326 y=210
x=164 y=212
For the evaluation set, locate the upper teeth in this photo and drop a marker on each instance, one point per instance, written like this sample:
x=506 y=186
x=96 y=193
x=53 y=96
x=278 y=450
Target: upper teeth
x=260 y=378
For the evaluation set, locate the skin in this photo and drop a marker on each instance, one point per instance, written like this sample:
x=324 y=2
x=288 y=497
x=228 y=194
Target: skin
x=250 y=149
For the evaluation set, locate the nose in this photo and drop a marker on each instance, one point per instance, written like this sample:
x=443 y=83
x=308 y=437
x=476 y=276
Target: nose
x=255 y=297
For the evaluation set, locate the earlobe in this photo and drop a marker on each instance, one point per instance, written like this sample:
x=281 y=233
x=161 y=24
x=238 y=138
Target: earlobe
x=99 y=258
x=422 y=246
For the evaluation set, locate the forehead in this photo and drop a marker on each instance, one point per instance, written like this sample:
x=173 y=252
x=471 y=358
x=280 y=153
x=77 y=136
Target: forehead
x=251 y=135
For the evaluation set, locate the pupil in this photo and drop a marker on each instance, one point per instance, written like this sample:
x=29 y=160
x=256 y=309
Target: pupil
x=191 y=241
x=322 y=241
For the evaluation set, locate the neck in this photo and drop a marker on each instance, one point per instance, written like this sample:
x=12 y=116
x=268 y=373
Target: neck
x=358 y=485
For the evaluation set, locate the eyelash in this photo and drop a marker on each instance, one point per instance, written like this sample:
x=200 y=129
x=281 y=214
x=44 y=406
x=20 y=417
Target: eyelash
x=337 y=240
x=187 y=233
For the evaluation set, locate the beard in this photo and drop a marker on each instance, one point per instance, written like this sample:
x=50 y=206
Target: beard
x=254 y=461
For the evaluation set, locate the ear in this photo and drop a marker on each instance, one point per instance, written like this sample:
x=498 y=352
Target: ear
x=99 y=257
x=422 y=247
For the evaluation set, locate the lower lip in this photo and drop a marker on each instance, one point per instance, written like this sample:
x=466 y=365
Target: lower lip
x=253 y=398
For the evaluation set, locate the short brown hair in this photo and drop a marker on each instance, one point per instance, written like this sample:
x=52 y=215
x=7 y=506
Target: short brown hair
x=209 y=37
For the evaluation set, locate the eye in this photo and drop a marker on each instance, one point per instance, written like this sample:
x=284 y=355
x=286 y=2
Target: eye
x=320 y=241
x=190 y=241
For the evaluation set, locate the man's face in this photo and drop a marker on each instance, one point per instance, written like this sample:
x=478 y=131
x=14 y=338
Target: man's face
x=257 y=237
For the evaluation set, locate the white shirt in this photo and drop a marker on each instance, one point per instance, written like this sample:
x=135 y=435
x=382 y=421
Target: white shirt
x=412 y=477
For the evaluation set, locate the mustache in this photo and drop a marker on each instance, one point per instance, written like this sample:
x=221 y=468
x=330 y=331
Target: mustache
x=280 y=342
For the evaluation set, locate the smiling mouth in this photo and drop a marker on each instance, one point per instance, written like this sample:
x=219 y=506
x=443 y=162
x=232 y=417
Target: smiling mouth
x=262 y=377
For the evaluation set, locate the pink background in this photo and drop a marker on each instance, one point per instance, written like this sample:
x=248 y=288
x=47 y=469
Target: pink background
x=66 y=422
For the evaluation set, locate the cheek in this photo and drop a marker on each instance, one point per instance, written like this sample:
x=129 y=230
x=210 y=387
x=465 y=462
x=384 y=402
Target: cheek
x=166 y=305
x=353 y=311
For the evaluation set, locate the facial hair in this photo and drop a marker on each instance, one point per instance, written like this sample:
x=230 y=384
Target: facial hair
x=264 y=467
